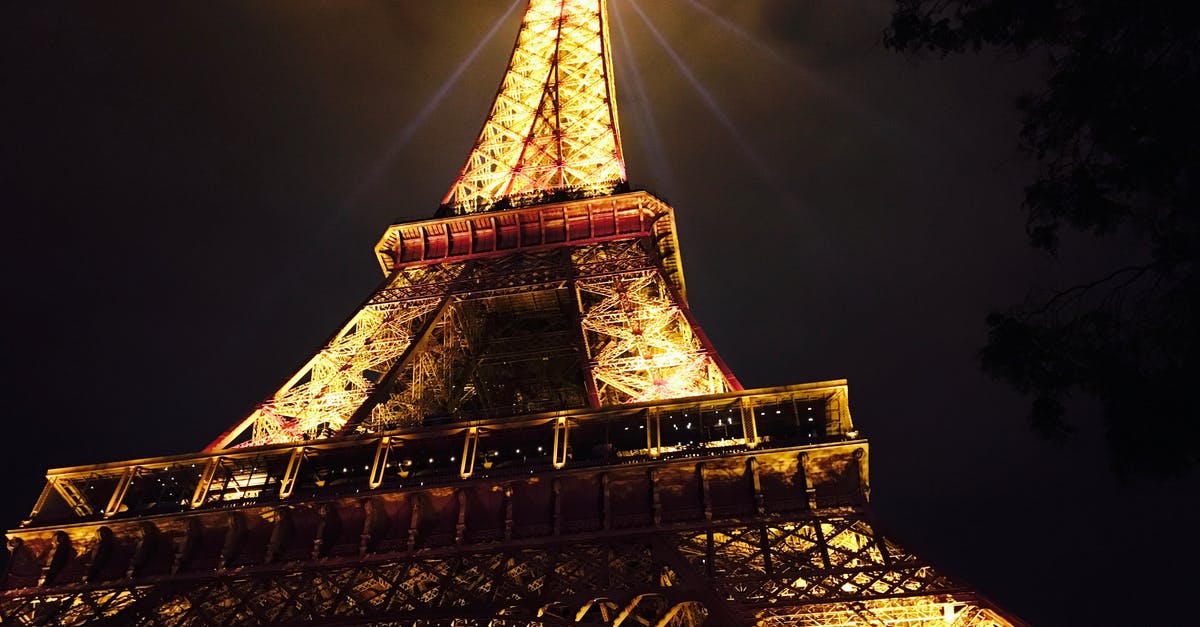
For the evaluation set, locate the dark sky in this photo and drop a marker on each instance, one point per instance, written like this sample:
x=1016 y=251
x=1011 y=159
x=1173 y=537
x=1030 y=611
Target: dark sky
x=191 y=193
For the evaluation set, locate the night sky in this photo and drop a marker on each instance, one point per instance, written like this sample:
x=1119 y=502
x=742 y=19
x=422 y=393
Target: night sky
x=191 y=194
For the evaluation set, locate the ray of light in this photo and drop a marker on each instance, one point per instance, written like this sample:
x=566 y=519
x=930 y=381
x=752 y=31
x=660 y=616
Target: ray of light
x=660 y=166
x=270 y=296
x=812 y=79
x=760 y=165
x=753 y=42
x=406 y=134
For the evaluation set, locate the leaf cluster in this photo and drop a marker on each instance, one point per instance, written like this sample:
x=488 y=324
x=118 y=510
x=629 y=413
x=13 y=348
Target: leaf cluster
x=1115 y=135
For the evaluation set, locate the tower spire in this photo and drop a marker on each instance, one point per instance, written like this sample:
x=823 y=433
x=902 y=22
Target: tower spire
x=553 y=127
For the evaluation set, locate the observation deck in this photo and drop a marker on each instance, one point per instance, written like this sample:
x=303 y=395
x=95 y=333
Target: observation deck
x=448 y=487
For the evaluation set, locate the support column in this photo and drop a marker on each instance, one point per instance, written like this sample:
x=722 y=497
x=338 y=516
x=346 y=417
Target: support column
x=655 y=498
x=375 y=524
x=749 y=423
x=760 y=505
x=810 y=490
x=328 y=530
x=653 y=433
x=556 y=496
x=589 y=379
x=606 y=515
x=460 y=527
x=860 y=467
x=414 y=521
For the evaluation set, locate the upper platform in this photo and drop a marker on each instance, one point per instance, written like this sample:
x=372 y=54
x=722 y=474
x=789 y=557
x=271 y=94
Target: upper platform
x=631 y=215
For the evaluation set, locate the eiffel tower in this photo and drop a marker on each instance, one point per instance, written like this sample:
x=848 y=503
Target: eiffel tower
x=523 y=425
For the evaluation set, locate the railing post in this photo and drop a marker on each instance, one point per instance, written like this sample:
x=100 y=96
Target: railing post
x=118 y=496
x=653 y=433
x=206 y=477
x=379 y=466
x=561 y=430
x=288 y=482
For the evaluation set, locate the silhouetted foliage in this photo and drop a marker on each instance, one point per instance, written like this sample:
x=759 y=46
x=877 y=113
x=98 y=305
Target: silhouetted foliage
x=1116 y=136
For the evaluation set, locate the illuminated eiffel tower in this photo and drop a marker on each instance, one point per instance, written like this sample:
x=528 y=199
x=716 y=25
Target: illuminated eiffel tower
x=523 y=425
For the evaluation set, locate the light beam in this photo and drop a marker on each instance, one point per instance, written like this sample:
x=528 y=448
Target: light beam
x=760 y=164
x=406 y=134
x=659 y=164
x=812 y=79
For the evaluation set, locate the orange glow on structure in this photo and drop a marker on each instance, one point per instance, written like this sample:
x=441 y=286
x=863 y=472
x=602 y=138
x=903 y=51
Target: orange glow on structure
x=553 y=126
x=543 y=311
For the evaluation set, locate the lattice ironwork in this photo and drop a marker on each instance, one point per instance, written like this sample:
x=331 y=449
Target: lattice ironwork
x=553 y=126
x=596 y=581
x=641 y=346
x=520 y=364
x=819 y=571
x=830 y=559
x=332 y=385
x=427 y=384
x=564 y=326
x=932 y=611
x=622 y=332
x=414 y=350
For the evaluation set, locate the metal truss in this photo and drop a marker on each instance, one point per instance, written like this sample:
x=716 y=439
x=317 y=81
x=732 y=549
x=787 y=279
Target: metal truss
x=324 y=394
x=331 y=386
x=510 y=323
x=931 y=611
x=819 y=561
x=641 y=346
x=608 y=584
x=467 y=358
x=428 y=383
x=596 y=324
x=327 y=392
x=622 y=333
x=819 y=571
x=553 y=126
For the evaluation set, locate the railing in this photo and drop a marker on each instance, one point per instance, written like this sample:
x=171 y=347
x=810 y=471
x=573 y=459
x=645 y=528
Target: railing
x=702 y=427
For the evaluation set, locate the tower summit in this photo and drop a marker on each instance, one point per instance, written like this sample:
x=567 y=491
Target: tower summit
x=553 y=127
x=523 y=425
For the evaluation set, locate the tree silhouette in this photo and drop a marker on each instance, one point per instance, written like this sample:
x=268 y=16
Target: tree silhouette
x=1115 y=133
